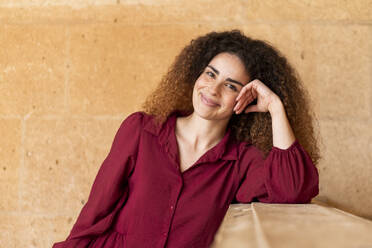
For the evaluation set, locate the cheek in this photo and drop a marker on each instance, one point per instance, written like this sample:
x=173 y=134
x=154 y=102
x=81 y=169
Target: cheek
x=231 y=102
x=197 y=86
x=195 y=91
x=198 y=83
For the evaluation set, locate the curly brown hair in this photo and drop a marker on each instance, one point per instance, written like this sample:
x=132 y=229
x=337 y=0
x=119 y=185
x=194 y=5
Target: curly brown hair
x=262 y=61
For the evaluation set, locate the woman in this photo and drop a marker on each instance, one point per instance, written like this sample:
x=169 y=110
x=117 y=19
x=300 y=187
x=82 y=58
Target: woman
x=224 y=126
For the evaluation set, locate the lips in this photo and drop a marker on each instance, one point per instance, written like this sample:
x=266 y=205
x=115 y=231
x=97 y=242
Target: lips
x=207 y=101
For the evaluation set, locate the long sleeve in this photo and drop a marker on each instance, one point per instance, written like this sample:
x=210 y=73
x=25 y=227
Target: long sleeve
x=109 y=190
x=285 y=176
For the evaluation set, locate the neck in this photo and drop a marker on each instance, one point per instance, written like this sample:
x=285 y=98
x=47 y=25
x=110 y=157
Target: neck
x=199 y=133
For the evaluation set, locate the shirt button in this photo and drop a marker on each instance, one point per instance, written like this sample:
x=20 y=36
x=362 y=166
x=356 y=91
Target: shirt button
x=164 y=234
x=171 y=207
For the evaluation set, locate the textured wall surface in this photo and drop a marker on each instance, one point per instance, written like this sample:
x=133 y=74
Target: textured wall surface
x=71 y=71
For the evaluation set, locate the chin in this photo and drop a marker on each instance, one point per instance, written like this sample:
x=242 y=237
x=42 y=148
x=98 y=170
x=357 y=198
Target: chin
x=211 y=114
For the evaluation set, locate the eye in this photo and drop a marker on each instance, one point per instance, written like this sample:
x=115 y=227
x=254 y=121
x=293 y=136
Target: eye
x=232 y=87
x=210 y=74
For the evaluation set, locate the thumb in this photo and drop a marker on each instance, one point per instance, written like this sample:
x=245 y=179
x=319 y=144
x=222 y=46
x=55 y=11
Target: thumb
x=251 y=108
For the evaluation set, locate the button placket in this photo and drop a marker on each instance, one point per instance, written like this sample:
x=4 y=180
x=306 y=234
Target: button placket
x=172 y=203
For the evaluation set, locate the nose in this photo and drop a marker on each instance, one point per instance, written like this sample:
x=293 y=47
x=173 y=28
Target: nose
x=214 y=89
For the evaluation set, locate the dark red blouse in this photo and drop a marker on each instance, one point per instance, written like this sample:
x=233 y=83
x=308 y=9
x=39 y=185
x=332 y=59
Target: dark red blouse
x=141 y=199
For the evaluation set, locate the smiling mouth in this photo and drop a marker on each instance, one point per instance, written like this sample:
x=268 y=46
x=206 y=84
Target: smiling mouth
x=208 y=102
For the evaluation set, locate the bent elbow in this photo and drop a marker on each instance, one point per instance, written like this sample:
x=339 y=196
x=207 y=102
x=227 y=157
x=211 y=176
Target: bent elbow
x=303 y=197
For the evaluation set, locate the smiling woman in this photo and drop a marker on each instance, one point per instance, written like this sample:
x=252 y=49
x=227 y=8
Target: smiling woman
x=261 y=62
x=199 y=145
x=218 y=87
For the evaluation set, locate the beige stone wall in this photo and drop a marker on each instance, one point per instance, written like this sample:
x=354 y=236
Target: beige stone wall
x=72 y=70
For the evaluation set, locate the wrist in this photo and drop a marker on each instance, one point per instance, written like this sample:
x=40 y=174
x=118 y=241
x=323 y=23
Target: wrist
x=276 y=106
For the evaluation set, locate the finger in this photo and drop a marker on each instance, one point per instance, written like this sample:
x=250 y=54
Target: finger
x=247 y=96
x=246 y=100
x=254 y=93
x=249 y=100
x=245 y=89
x=236 y=105
x=242 y=106
x=241 y=93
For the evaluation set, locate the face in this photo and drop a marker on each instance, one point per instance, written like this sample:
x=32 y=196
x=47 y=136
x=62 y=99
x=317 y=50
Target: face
x=218 y=86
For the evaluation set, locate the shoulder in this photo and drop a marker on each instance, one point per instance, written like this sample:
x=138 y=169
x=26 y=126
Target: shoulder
x=135 y=116
x=137 y=119
x=129 y=132
x=143 y=121
x=131 y=123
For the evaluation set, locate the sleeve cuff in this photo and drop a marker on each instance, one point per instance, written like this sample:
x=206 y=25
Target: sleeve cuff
x=294 y=145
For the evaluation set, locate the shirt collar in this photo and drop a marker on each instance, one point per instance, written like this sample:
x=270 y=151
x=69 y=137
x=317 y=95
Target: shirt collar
x=226 y=149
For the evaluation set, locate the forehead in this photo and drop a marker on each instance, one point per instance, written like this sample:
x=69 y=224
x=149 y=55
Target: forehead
x=231 y=66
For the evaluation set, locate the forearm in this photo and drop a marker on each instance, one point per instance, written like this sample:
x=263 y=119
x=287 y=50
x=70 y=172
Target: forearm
x=283 y=136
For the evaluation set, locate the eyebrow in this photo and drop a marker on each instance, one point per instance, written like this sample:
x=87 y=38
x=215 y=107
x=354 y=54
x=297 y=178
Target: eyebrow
x=227 y=79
